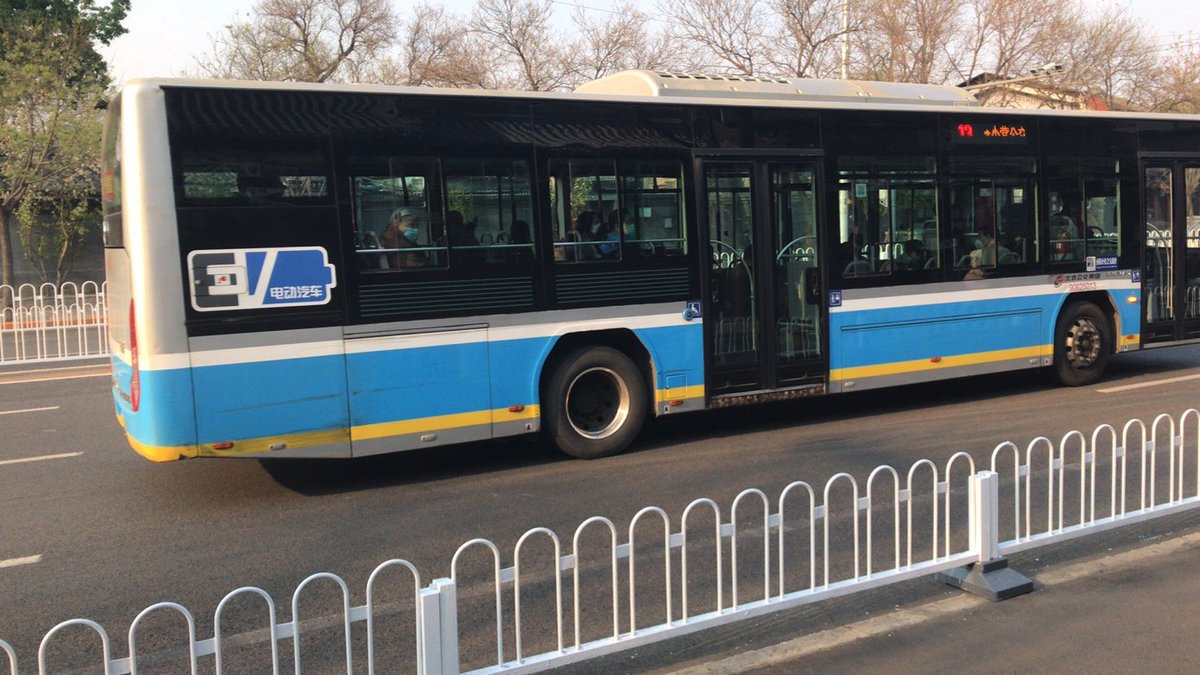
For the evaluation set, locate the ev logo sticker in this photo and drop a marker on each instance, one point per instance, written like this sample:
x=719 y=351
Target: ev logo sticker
x=244 y=278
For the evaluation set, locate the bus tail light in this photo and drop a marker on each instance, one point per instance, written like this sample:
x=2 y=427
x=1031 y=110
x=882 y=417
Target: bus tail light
x=135 y=377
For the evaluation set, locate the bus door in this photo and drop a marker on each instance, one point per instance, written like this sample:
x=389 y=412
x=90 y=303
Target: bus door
x=1171 y=258
x=765 y=320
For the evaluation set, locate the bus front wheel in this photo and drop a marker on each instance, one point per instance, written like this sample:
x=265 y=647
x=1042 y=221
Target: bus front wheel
x=1082 y=344
x=594 y=403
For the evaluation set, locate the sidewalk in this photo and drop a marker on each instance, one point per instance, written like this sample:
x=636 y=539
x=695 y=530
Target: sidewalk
x=1120 y=602
x=1130 y=612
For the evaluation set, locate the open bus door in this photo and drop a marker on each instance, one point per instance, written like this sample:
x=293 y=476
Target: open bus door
x=765 y=324
x=1171 y=258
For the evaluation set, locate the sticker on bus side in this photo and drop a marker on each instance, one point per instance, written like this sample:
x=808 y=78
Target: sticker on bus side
x=257 y=278
x=1096 y=263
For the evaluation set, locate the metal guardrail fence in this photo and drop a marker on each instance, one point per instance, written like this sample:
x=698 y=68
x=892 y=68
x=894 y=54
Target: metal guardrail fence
x=1062 y=484
x=51 y=322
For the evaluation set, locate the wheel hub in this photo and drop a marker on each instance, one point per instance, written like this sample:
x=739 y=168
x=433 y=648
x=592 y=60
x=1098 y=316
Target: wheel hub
x=1083 y=343
x=597 y=403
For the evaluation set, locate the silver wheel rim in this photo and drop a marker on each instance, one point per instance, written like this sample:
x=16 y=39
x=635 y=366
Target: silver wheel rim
x=1083 y=343
x=597 y=403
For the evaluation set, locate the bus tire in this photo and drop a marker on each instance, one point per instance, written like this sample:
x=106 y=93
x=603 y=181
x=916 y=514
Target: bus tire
x=594 y=403
x=1083 y=342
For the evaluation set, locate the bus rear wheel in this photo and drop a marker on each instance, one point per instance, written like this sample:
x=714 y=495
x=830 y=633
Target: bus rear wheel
x=1082 y=344
x=594 y=403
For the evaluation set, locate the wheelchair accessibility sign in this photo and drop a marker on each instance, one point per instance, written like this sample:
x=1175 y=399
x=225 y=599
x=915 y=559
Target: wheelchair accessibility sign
x=258 y=278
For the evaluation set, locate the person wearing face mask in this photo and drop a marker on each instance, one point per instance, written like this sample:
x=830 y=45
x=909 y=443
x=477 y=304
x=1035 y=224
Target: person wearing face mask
x=402 y=233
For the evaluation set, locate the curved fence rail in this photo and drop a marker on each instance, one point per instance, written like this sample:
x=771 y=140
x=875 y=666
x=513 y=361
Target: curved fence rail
x=51 y=322
x=606 y=587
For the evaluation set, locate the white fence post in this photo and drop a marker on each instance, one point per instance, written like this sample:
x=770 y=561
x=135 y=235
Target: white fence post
x=439 y=628
x=984 y=514
x=990 y=576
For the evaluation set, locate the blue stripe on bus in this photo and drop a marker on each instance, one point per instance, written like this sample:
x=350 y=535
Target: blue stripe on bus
x=882 y=336
x=676 y=350
x=166 y=416
x=890 y=335
x=1130 y=313
x=388 y=386
x=254 y=400
x=249 y=400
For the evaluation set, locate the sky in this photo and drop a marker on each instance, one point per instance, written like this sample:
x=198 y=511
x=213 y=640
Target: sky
x=166 y=36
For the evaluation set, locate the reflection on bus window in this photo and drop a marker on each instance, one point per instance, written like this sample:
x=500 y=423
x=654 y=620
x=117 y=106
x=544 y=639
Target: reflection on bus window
x=222 y=175
x=488 y=211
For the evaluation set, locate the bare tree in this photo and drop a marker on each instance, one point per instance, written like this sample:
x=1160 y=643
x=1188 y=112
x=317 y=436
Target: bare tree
x=810 y=36
x=1009 y=37
x=436 y=49
x=1177 y=82
x=521 y=43
x=302 y=40
x=730 y=35
x=1110 y=55
x=909 y=40
x=620 y=42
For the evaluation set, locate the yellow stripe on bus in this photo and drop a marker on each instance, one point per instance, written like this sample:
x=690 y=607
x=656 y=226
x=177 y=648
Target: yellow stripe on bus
x=367 y=432
x=679 y=393
x=422 y=425
x=915 y=366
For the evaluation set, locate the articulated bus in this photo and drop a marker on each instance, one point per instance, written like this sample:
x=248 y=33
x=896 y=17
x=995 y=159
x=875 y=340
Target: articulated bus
x=301 y=270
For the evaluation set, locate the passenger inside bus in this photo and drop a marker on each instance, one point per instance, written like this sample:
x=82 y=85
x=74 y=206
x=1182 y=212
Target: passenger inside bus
x=403 y=232
x=1064 y=228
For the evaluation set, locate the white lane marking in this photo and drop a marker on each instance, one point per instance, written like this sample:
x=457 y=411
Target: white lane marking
x=1143 y=385
x=52 y=379
x=17 y=562
x=43 y=458
x=17 y=412
x=92 y=366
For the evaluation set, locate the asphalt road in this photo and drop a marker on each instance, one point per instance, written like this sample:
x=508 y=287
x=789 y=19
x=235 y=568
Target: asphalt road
x=89 y=529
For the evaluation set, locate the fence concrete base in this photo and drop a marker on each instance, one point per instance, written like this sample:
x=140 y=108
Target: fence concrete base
x=993 y=580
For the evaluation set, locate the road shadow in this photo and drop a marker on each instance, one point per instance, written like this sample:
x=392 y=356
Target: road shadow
x=315 y=477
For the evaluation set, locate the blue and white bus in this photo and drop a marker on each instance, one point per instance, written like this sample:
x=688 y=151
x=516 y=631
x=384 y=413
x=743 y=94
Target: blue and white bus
x=301 y=270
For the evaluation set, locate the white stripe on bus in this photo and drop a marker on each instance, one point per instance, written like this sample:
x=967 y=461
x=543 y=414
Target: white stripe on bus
x=973 y=295
x=432 y=338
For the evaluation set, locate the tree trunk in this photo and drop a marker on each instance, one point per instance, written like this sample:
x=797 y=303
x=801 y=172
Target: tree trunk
x=6 y=257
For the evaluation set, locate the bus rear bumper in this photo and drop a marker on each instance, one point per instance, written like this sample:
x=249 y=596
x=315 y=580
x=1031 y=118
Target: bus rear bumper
x=158 y=453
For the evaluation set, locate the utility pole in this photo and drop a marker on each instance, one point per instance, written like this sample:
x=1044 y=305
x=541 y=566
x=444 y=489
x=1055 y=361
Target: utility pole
x=845 y=39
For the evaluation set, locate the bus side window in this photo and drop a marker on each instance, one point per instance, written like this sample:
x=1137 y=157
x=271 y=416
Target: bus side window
x=489 y=207
x=398 y=218
x=584 y=210
x=652 y=209
x=218 y=174
x=993 y=215
x=630 y=211
x=1085 y=207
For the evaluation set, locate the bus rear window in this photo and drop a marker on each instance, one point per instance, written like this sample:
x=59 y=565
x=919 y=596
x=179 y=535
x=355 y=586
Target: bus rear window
x=110 y=176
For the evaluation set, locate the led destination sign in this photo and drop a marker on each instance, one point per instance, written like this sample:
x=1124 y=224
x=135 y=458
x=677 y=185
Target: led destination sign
x=990 y=133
